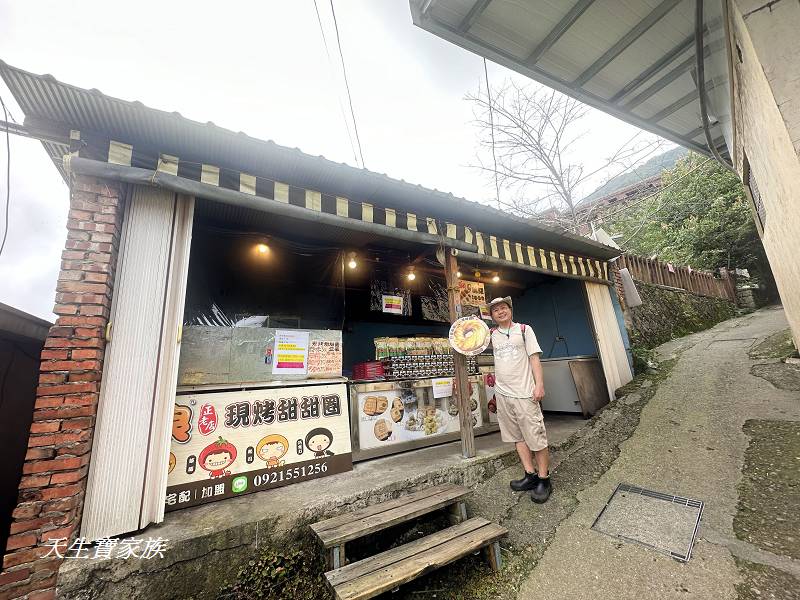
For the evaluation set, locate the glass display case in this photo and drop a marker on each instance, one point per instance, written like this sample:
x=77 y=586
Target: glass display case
x=395 y=416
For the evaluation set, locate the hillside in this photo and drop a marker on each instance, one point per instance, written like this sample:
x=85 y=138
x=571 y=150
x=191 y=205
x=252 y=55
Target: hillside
x=654 y=166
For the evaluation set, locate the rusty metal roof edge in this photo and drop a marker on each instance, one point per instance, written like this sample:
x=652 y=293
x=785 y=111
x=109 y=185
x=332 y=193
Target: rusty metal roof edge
x=11 y=75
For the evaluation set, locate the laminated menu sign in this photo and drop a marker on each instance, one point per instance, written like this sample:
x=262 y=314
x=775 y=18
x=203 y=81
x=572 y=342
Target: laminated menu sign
x=291 y=352
x=226 y=444
x=442 y=387
x=392 y=304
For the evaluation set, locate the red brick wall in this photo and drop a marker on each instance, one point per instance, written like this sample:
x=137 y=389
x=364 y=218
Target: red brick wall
x=54 y=474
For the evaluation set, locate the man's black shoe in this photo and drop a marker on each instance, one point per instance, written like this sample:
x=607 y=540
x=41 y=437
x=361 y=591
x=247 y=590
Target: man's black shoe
x=541 y=491
x=526 y=483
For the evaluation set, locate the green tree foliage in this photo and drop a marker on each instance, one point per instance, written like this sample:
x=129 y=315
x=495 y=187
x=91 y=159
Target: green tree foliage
x=702 y=218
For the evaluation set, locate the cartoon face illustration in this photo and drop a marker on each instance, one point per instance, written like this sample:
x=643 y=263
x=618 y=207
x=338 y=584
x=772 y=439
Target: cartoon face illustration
x=172 y=461
x=217 y=456
x=272 y=448
x=181 y=423
x=319 y=440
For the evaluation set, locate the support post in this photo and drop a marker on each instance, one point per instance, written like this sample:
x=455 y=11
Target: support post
x=460 y=379
x=492 y=553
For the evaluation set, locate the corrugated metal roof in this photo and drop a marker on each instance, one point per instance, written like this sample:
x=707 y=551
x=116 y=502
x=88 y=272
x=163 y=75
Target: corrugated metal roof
x=59 y=107
x=633 y=59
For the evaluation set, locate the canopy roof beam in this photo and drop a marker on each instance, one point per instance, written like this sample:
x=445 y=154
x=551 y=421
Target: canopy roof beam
x=474 y=13
x=653 y=69
x=629 y=38
x=560 y=29
x=686 y=66
x=675 y=106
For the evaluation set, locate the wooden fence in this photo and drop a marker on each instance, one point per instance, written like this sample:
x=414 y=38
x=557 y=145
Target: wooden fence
x=656 y=272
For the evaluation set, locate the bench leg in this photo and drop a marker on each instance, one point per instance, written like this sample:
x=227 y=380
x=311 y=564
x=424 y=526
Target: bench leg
x=336 y=557
x=492 y=552
x=458 y=513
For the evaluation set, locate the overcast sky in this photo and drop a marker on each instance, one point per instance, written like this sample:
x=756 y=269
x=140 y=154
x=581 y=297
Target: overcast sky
x=257 y=67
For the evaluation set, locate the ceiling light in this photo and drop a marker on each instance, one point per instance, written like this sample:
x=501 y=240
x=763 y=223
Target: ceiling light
x=352 y=262
x=262 y=248
x=411 y=275
x=496 y=278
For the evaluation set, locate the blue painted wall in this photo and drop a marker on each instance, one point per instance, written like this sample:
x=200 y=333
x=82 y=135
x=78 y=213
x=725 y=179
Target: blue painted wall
x=556 y=309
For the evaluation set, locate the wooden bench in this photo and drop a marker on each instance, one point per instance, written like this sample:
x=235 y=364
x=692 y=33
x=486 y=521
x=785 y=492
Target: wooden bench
x=386 y=571
x=377 y=574
x=334 y=533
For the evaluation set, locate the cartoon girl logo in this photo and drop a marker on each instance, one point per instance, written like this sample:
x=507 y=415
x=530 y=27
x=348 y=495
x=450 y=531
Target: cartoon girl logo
x=318 y=441
x=172 y=461
x=271 y=449
x=216 y=457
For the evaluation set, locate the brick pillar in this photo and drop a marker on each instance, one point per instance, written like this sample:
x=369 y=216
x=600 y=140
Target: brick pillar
x=56 y=465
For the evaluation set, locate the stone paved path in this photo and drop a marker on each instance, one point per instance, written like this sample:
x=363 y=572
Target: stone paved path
x=690 y=441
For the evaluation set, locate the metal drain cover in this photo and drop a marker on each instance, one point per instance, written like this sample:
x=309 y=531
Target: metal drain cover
x=662 y=522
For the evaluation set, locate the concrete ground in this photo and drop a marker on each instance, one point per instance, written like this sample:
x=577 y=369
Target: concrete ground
x=691 y=442
x=207 y=543
x=704 y=427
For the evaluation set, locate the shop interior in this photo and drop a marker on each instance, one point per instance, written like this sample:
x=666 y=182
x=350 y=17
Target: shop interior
x=248 y=270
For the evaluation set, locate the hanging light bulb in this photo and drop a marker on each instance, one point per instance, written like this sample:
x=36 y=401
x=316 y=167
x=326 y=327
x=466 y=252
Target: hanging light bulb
x=262 y=248
x=411 y=275
x=496 y=278
x=352 y=262
x=477 y=274
x=458 y=274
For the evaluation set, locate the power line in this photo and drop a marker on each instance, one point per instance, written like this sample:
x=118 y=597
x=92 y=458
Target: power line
x=347 y=85
x=338 y=96
x=491 y=126
x=8 y=176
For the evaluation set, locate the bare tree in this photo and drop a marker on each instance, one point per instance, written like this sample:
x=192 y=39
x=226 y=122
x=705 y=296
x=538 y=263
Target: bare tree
x=531 y=133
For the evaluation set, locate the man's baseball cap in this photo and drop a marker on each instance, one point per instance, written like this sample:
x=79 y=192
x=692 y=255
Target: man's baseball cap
x=496 y=301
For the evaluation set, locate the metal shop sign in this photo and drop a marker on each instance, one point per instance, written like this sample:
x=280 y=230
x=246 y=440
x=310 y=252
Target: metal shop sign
x=226 y=444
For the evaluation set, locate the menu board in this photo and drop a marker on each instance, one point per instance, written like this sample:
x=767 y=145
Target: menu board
x=325 y=358
x=391 y=416
x=226 y=444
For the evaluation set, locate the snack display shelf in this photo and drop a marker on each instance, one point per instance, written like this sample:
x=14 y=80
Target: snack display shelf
x=398 y=415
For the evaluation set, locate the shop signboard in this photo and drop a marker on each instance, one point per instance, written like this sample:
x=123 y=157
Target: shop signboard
x=226 y=444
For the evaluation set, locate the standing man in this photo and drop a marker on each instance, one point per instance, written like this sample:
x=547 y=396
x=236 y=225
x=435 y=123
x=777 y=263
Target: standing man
x=519 y=389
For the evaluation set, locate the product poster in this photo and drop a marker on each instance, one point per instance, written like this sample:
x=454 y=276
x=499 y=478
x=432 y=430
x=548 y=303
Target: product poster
x=226 y=444
x=291 y=352
x=392 y=304
x=399 y=415
x=473 y=293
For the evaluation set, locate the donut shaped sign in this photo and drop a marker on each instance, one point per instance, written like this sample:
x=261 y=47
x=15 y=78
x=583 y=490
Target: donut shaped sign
x=469 y=335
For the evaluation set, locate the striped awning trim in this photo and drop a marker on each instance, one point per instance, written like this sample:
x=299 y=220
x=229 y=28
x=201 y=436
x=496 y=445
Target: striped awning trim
x=510 y=251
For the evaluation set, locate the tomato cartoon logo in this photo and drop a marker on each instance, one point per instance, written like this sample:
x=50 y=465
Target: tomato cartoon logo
x=207 y=421
x=217 y=457
x=181 y=423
